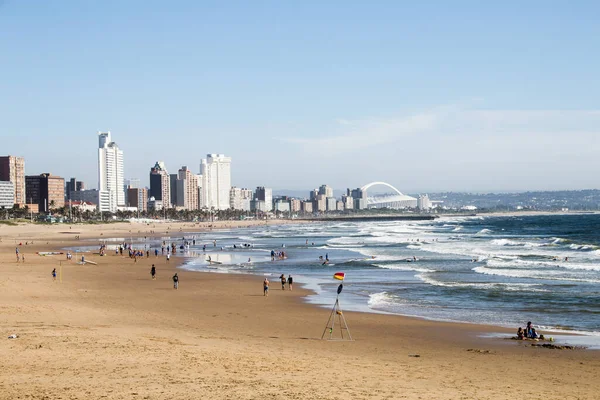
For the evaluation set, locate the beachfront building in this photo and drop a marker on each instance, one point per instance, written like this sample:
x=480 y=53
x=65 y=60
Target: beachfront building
x=360 y=198
x=155 y=205
x=240 y=198
x=320 y=203
x=7 y=194
x=331 y=204
x=187 y=189
x=99 y=197
x=216 y=181
x=348 y=202
x=110 y=171
x=160 y=184
x=82 y=206
x=46 y=190
x=295 y=205
x=264 y=194
x=73 y=185
x=326 y=190
x=12 y=169
x=423 y=203
x=307 y=207
x=138 y=198
x=281 y=205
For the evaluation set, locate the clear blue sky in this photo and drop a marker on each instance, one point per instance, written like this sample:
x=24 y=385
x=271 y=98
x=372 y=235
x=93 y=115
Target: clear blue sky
x=446 y=95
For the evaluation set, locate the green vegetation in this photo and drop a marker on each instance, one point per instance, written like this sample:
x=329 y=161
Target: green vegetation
x=8 y=222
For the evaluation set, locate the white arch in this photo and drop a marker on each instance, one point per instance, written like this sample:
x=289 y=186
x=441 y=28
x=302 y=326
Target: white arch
x=366 y=187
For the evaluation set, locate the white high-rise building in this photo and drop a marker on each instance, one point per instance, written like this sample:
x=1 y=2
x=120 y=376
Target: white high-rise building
x=423 y=202
x=110 y=170
x=216 y=181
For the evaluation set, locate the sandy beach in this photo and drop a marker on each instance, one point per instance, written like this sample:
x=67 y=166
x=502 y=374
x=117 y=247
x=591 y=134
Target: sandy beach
x=108 y=331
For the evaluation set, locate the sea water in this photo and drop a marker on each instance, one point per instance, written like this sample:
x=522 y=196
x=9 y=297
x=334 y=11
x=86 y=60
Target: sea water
x=501 y=271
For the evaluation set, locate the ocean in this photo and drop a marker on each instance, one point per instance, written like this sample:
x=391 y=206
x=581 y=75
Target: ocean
x=496 y=270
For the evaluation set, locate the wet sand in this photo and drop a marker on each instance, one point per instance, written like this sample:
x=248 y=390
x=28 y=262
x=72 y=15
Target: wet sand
x=108 y=331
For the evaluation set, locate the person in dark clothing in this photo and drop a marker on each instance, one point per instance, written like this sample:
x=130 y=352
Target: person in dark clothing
x=290 y=282
x=175 y=281
x=153 y=272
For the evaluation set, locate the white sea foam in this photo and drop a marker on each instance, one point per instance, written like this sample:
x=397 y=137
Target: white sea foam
x=380 y=300
x=403 y=267
x=483 y=232
x=482 y=285
x=533 y=274
x=542 y=264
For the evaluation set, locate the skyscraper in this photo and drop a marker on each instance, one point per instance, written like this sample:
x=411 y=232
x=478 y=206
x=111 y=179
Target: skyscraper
x=160 y=184
x=190 y=188
x=12 y=169
x=216 y=181
x=110 y=170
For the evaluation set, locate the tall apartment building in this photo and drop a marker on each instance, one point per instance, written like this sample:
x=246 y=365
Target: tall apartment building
x=240 y=198
x=326 y=190
x=110 y=170
x=266 y=195
x=160 y=184
x=138 y=197
x=12 y=169
x=216 y=181
x=189 y=188
x=45 y=190
x=320 y=204
x=295 y=205
x=423 y=202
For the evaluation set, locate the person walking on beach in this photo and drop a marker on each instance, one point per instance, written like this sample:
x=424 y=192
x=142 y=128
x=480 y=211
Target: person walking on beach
x=168 y=256
x=290 y=282
x=153 y=272
x=17 y=251
x=282 y=277
x=54 y=274
x=266 y=287
x=175 y=281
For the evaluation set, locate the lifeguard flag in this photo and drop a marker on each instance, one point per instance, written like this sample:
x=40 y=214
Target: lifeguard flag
x=339 y=276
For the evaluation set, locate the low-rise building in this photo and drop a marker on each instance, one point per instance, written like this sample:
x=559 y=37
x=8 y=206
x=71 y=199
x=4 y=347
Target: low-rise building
x=99 y=197
x=83 y=206
x=7 y=194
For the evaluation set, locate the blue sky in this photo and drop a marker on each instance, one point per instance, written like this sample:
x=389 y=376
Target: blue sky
x=428 y=96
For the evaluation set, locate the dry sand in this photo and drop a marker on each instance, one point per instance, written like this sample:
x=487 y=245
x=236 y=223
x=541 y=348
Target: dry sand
x=110 y=332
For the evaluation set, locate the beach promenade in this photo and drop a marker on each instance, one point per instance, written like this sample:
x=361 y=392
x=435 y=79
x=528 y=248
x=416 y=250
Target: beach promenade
x=108 y=331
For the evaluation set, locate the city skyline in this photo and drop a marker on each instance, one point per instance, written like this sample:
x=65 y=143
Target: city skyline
x=462 y=97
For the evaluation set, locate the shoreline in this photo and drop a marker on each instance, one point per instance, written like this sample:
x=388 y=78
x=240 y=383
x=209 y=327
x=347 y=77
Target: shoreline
x=110 y=330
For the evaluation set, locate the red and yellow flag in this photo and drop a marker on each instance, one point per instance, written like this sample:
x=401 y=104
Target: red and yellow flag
x=339 y=276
